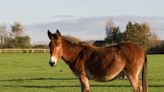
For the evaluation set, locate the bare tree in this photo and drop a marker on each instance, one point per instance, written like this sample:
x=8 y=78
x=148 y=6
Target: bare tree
x=109 y=28
x=113 y=34
x=3 y=30
x=3 y=34
x=154 y=41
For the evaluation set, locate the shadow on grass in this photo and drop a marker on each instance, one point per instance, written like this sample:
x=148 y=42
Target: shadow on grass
x=39 y=79
x=31 y=79
x=61 y=86
x=68 y=86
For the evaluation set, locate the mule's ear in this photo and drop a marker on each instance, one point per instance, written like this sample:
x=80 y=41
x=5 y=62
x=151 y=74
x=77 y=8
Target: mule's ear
x=49 y=34
x=58 y=34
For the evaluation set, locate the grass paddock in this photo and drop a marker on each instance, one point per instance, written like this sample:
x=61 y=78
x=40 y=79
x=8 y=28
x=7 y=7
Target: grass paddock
x=30 y=72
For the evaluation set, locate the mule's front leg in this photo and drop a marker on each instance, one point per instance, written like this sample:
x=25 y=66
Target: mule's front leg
x=84 y=83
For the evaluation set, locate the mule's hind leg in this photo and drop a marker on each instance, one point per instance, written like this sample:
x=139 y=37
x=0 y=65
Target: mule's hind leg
x=132 y=70
x=135 y=82
x=133 y=76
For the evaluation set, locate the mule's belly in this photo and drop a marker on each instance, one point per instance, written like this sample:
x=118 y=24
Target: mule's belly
x=104 y=77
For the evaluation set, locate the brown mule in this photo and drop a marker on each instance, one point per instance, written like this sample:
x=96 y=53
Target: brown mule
x=100 y=63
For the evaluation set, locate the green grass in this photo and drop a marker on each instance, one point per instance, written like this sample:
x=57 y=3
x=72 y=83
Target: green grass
x=32 y=73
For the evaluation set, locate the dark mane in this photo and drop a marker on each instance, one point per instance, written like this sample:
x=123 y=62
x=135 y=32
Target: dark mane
x=72 y=39
x=76 y=41
x=85 y=45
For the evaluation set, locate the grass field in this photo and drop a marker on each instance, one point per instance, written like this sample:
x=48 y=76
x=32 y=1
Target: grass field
x=31 y=73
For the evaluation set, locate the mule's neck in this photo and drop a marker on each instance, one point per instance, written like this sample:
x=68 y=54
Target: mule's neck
x=70 y=51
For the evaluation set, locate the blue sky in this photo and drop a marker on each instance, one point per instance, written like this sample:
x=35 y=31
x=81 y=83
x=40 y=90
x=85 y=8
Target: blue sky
x=40 y=11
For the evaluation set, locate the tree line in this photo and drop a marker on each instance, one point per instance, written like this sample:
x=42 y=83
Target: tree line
x=14 y=37
x=134 y=32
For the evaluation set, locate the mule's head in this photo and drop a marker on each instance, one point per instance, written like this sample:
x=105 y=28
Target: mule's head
x=55 y=46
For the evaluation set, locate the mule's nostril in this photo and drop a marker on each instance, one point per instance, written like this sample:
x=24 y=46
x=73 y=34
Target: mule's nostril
x=52 y=63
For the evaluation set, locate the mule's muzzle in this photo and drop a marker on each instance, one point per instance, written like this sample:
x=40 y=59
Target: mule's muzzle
x=53 y=61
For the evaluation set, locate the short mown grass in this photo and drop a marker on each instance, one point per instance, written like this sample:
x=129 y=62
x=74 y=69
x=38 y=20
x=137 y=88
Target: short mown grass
x=30 y=72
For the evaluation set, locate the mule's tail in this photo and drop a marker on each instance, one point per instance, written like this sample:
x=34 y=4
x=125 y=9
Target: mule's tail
x=144 y=76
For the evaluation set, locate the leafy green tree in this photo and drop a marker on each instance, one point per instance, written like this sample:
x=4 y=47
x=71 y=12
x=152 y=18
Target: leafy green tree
x=19 y=42
x=23 y=42
x=17 y=29
x=139 y=33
